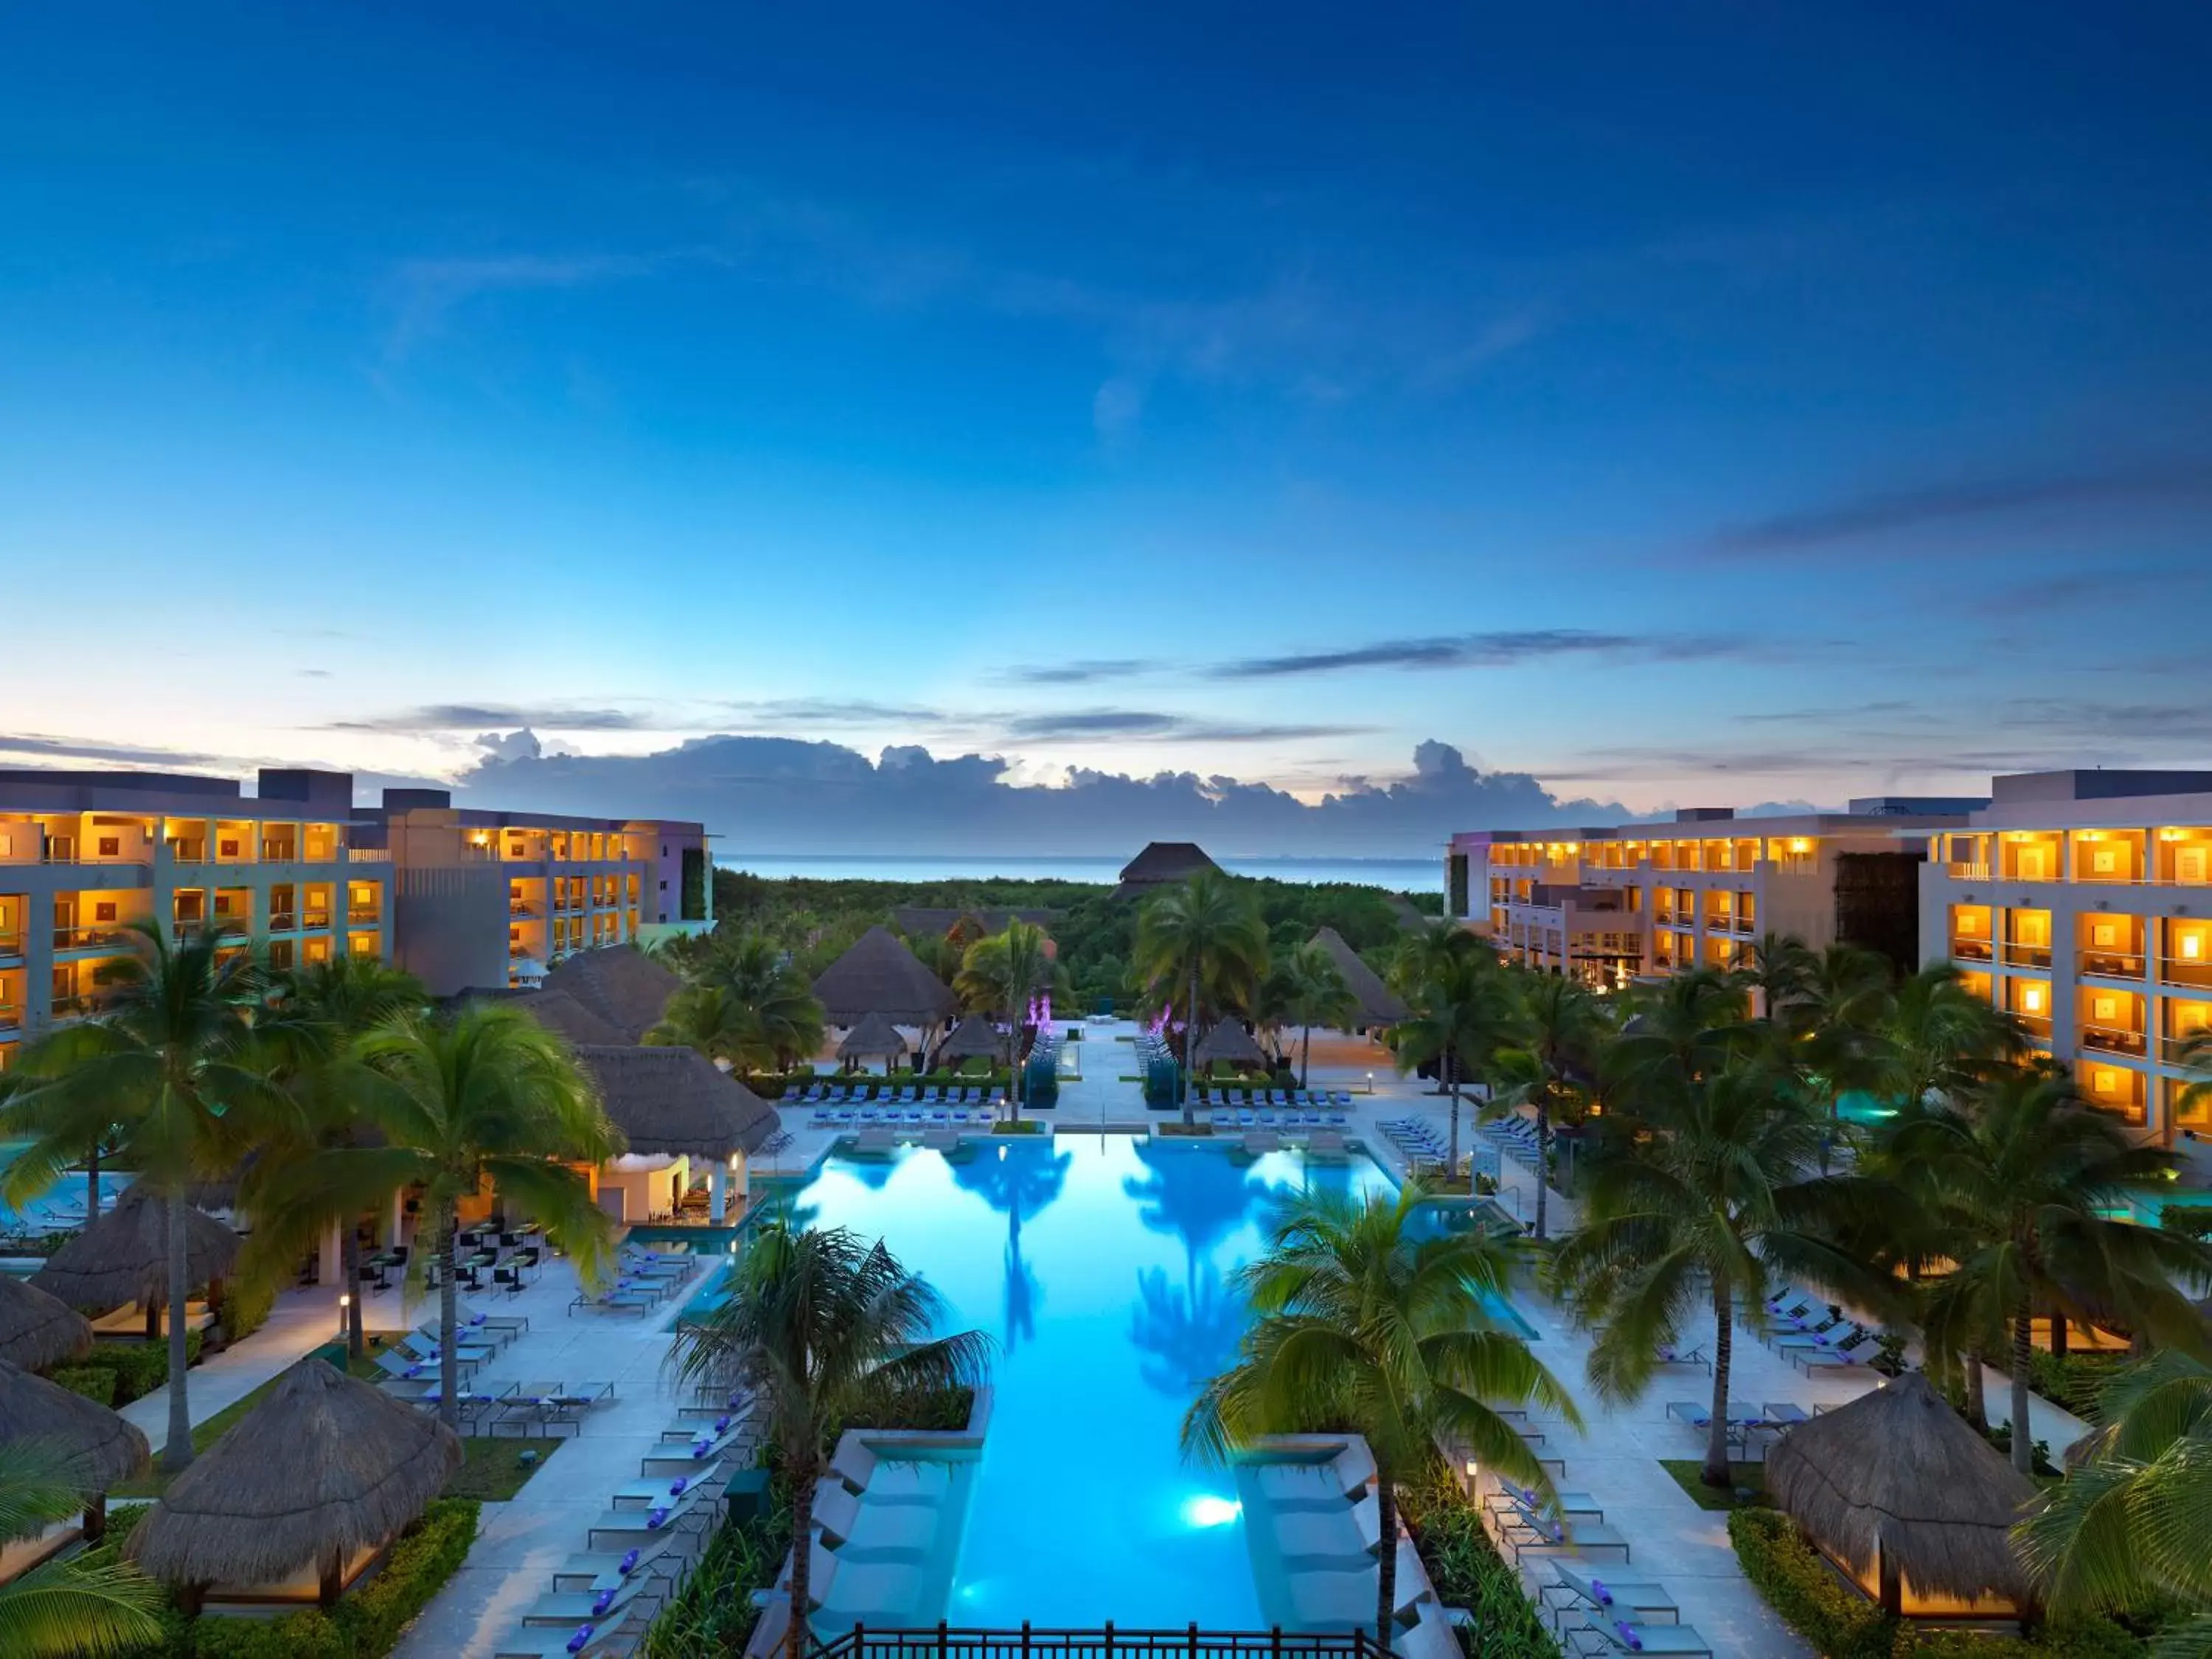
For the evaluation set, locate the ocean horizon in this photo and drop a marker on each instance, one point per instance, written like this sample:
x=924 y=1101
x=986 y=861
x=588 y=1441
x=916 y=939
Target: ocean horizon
x=1399 y=875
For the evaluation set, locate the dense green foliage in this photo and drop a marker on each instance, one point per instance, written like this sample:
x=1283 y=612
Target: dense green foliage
x=1838 y=1622
x=137 y=1369
x=1467 y=1571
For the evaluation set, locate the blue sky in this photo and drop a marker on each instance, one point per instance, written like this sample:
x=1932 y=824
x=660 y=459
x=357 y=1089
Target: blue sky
x=1695 y=403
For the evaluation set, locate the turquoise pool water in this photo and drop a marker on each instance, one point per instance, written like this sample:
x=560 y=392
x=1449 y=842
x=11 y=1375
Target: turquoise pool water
x=1098 y=1266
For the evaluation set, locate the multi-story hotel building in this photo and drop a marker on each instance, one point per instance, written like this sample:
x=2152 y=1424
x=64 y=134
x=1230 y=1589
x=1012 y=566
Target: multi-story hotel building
x=461 y=897
x=2082 y=903
x=1619 y=903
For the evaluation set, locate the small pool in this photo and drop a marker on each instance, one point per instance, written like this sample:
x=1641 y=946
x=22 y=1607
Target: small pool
x=2147 y=1206
x=1856 y=1106
x=61 y=1208
x=1099 y=1265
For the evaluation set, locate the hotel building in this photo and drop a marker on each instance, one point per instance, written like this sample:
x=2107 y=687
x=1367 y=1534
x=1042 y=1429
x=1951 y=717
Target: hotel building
x=459 y=896
x=2082 y=903
x=1626 y=901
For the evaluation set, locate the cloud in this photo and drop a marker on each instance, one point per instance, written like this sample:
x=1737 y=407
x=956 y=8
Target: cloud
x=1492 y=650
x=2053 y=596
x=510 y=745
x=1083 y=673
x=1078 y=725
x=428 y=291
x=313 y=673
x=768 y=794
x=112 y=754
x=1887 y=513
x=462 y=716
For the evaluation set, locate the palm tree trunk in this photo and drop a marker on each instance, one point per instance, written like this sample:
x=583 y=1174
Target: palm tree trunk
x=91 y=1184
x=1386 y=1587
x=1305 y=1057
x=1717 y=1471
x=798 y=1638
x=1451 y=1089
x=2023 y=1350
x=1190 y=1046
x=177 y=1453
x=1978 y=1405
x=349 y=1260
x=449 y=1324
x=1543 y=1155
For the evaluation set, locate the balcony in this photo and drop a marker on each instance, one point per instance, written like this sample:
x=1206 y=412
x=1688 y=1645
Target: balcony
x=1971 y=950
x=368 y=855
x=368 y=915
x=2036 y=1025
x=1747 y=925
x=2171 y=1051
x=2027 y=955
x=284 y=922
x=67 y=1008
x=525 y=911
x=2195 y=975
x=279 y=852
x=1966 y=870
x=11 y=1016
x=2111 y=964
x=314 y=921
x=11 y=945
x=188 y=852
x=85 y=938
x=2113 y=1040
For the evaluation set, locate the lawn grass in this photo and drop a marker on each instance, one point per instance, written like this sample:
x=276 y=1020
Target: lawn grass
x=1689 y=1473
x=495 y=1470
x=1022 y=1126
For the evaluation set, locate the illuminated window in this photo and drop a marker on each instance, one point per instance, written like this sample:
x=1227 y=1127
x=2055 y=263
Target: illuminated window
x=2031 y=998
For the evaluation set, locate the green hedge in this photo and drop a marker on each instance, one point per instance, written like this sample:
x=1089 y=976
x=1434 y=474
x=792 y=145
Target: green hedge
x=2074 y=1380
x=139 y=1368
x=2062 y=1639
x=94 y=1382
x=1804 y=1590
x=246 y=1310
x=1468 y=1572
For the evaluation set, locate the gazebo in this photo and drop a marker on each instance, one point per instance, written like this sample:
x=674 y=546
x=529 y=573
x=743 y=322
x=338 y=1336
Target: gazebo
x=1914 y=1506
x=38 y=1330
x=1378 y=1004
x=316 y=1480
x=99 y=1448
x=673 y=1104
x=873 y=1038
x=879 y=976
x=1229 y=1041
x=974 y=1038
x=124 y=1257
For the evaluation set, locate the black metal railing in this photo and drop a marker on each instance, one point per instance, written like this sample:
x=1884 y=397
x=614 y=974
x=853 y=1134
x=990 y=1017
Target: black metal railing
x=952 y=1642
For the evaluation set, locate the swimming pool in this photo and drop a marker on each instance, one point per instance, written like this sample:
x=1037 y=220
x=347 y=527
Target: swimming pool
x=1099 y=1265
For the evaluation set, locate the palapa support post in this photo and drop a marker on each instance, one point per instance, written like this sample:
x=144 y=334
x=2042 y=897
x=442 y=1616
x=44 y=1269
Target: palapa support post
x=333 y=1582
x=95 y=1518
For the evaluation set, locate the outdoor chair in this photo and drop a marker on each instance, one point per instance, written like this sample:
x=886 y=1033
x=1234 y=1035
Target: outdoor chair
x=1617 y=1636
x=1595 y=1598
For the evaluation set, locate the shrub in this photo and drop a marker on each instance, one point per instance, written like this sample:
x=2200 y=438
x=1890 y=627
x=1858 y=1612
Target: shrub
x=94 y=1382
x=1468 y=1572
x=418 y=1566
x=1799 y=1586
x=713 y=1612
x=2073 y=1380
x=307 y=1634
x=2062 y=1639
x=140 y=1368
x=246 y=1310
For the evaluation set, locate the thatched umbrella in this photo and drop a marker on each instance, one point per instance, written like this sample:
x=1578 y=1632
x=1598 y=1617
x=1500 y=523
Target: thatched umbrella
x=879 y=976
x=974 y=1038
x=125 y=1256
x=323 y=1466
x=1897 y=1487
x=1229 y=1041
x=100 y=1449
x=873 y=1038
x=1378 y=1004
x=38 y=1330
x=675 y=1102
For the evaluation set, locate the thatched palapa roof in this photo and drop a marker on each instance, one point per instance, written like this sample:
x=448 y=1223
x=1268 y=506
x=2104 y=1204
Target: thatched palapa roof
x=974 y=1038
x=38 y=1330
x=323 y=1466
x=1378 y=1004
x=101 y=1449
x=620 y=984
x=874 y=1037
x=1229 y=1041
x=676 y=1102
x=1898 y=1477
x=560 y=1011
x=1161 y=863
x=880 y=975
x=124 y=1255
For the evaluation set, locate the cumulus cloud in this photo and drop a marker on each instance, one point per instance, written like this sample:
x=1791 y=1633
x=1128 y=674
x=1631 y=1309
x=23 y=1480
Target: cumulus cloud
x=784 y=794
x=510 y=745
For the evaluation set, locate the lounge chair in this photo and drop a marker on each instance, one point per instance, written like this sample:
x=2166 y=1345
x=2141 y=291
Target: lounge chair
x=604 y=1608
x=1834 y=1334
x=609 y=1569
x=640 y=1524
x=1594 y=1598
x=616 y=1302
x=1860 y=1352
x=1617 y=1636
x=1670 y=1354
x=1521 y=1528
x=586 y=1641
x=652 y=1491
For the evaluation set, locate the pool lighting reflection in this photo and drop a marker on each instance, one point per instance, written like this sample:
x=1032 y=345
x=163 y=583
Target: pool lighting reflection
x=1206 y=1510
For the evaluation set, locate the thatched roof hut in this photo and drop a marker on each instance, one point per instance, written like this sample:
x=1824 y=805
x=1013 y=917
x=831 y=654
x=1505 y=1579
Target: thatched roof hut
x=1378 y=1004
x=1161 y=864
x=323 y=1469
x=676 y=1102
x=879 y=976
x=1910 y=1501
x=620 y=984
x=124 y=1255
x=101 y=1449
x=974 y=1038
x=561 y=1012
x=873 y=1038
x=1229 y=1041
x=38 y=1330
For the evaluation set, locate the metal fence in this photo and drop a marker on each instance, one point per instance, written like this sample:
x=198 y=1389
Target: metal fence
x=1108 y=1642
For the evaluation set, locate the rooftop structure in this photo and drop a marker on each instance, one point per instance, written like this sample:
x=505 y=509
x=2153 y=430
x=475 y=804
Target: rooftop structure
x=879 y=976
x=1163 y=864
x=1378 y=1004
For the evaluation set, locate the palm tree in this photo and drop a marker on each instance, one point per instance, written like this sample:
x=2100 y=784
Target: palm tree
x=1677 y=1033
x=484 y=1098
x=1003 y=973
x=1709 y=1210
x=315 y=1018
x=1314 y=994
x=67 y=1609
x=1463 y=1013
x=818 y=1324
x=1360 y=1325
x=172 y=1060
x=2022 y=1179
x=746 y=1005
x=2126 y=1531
x=1838 y=1022
x=1206 y=936
x=1938 y=1040
x=1558 y=1030
x=1780 y=967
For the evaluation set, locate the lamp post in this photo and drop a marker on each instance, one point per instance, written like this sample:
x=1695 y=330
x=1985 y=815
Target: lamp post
x=345 y=1301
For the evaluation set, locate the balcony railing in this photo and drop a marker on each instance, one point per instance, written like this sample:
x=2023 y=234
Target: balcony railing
x=11 y=1016
x=284 y=922
x=2196 y=975
x=368 y=855
x=11 y=945
x=1970 y=950
x=279 y=852
x=525 y=911
x=80 y=938
x=313 y=920
x=73 y=1007
x=2113 y=1040
x=1966 y=870
x=363 y=913
x=2173 y=1050
x=2027 y=955
x=2036 y=1025
x=2111 y=964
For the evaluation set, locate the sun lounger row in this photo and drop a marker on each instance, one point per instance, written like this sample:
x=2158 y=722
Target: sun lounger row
x=920 y=1117
x=1268 y=1118
x=883 y=1094
x=1230 y=1094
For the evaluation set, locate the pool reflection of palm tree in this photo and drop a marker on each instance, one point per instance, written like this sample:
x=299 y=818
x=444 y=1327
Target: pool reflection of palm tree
x=1190 y=1333
x=1018 y=1181
x=1201 y=1196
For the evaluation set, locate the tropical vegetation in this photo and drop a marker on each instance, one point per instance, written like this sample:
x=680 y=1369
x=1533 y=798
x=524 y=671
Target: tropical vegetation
x=67 y=1607
x=745 y=1003
x=1201 y=948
